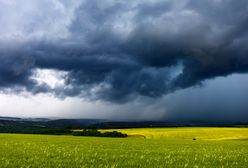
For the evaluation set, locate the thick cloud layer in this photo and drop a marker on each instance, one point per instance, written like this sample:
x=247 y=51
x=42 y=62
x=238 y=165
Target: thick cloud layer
x=116 y=50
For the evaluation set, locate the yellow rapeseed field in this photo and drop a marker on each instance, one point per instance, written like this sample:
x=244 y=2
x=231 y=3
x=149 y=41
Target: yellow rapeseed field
x=199 y=133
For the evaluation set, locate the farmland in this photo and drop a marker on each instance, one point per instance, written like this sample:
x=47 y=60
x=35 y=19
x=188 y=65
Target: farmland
x=188 y=133
x=163 y=149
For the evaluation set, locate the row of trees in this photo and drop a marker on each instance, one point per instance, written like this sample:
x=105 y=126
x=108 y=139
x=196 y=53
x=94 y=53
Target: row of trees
x=95 y=132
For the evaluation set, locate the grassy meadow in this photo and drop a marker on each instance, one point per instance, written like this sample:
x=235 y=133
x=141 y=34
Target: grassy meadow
x=162 y=147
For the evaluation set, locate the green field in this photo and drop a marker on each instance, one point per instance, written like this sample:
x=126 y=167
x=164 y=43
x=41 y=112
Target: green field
x=163 y=147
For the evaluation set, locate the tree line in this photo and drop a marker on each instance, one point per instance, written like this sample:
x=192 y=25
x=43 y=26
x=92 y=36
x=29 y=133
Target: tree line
x=96 y=133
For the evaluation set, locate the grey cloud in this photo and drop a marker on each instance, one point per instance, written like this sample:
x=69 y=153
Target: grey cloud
x=117 y=50
x=221 y=100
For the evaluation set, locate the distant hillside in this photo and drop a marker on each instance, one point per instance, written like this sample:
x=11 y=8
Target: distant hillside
x=72 y=123
x=62 y=126
x=14 y=126
x=152 y=124
x=46 y=126
x=9 y=118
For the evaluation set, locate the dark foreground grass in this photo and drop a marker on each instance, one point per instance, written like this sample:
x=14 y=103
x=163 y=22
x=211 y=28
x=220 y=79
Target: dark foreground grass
x=68 y=151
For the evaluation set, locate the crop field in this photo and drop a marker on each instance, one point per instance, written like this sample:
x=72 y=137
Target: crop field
x=199 y=133
x=163 y=149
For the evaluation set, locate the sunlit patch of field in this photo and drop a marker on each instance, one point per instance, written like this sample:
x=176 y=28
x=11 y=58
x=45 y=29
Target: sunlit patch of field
x=199 y=133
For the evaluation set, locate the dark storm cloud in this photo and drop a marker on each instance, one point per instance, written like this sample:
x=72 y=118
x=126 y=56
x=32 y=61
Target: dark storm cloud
x=116 y=50
x=15 y=70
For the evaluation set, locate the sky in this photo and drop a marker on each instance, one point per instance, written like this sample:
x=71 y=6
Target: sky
x=124 y=60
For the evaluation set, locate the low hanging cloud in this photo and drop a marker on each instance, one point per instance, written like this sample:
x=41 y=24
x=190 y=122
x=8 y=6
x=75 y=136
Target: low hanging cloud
x=118 y=50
